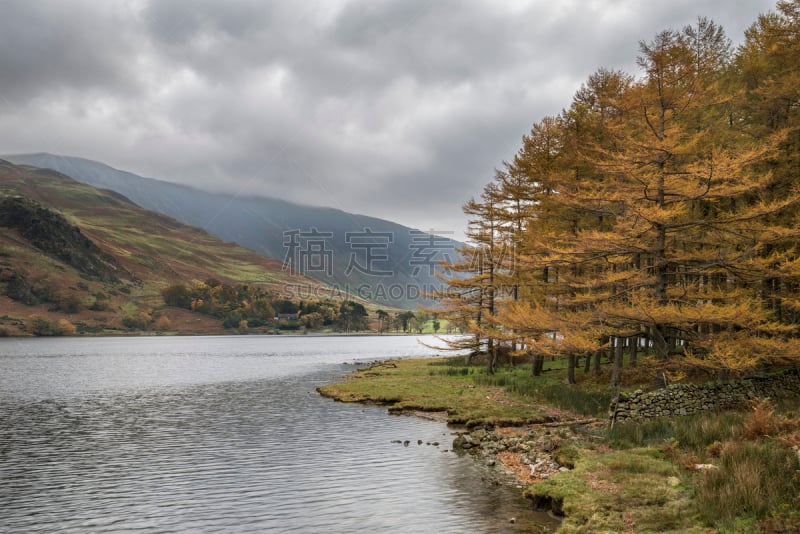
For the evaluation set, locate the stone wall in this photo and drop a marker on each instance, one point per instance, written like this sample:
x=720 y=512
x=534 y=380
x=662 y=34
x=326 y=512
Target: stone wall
x=685 y=399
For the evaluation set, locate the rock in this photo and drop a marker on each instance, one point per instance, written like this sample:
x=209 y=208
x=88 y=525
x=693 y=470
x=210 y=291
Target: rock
x=547 y=445
x=478 y=435
x=463 y=441
x=536 y=467
x=705 y=467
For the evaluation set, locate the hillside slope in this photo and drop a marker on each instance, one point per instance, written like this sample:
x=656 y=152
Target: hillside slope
x=392 y=266
x=71 y=251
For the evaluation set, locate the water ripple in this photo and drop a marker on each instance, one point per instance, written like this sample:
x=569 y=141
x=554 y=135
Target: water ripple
x=235 y=455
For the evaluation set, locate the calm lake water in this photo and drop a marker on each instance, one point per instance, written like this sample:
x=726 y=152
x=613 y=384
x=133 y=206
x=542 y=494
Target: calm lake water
x=226 y=434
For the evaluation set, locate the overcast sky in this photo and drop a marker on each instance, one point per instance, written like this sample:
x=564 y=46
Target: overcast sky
x=398 y=109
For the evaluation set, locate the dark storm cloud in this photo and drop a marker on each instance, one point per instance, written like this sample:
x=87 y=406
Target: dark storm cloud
x=397 y=109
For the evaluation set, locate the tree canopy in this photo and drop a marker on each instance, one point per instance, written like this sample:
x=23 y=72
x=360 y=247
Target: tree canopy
x=657 y=212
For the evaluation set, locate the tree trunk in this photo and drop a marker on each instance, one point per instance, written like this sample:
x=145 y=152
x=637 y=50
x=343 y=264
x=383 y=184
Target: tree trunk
x=571 y=369
x=616 y=373
x=660 y=344
x=634 y=347
x=491 y=356
x=537 y=364
x=596 y=362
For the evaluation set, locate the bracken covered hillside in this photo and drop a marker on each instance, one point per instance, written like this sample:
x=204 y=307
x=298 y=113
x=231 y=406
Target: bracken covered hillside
x=74 y=258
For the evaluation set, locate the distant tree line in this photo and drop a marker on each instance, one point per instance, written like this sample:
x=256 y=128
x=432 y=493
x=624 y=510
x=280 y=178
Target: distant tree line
x=245 y=306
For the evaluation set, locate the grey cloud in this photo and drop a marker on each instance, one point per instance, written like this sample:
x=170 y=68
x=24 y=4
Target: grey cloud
x=52 y=46
x=399 y=109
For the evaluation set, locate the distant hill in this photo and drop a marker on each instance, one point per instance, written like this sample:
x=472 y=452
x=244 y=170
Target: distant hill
x=70 y=251
x=379 y=260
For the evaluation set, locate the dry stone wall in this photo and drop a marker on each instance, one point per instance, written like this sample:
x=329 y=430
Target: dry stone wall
x=685 y=399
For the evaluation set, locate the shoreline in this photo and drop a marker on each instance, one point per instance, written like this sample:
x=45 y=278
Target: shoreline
x=148 y=333
x=500 y=451
x=522 y=455
x=677 y=474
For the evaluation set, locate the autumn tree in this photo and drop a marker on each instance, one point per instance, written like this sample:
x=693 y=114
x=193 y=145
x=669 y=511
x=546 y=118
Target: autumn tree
x=767 y=70
x=525 y=187
x=667 y=214
x=473 y=279
x=657 y=212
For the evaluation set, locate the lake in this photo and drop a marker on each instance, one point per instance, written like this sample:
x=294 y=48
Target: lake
x=227 y=434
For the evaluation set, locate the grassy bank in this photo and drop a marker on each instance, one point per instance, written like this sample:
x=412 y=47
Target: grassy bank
x=634 y=477
x=466 y=393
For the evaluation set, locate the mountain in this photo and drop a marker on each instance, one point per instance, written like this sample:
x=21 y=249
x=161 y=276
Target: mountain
x=72 y=252
x=376 y=259
x=52 y=234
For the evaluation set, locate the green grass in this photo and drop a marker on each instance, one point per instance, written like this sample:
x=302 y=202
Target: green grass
x=589 y=399
x=621 y=491
x=633 y=477
x=410 y=385
x=693 y=432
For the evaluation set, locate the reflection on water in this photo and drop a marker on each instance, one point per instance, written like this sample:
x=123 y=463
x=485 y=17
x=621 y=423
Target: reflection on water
x=224 y=434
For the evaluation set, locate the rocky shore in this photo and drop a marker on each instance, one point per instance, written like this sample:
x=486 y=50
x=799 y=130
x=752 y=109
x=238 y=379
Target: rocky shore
x=677 y=475
x=531 y=453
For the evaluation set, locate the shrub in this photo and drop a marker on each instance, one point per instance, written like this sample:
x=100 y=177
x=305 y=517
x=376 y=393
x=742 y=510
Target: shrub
x=162 y=323
x=66 y=328
x=753 y=479
x=42 y=326
x=137 y=322
x=763 y=421
x=68 y=304
x=46 y=293
x=17 y=288
x=231 y=321
x=98 y=306
x=178 y=295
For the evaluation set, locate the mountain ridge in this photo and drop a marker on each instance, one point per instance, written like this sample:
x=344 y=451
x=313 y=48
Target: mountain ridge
x=91 y=259
x=379 y=260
